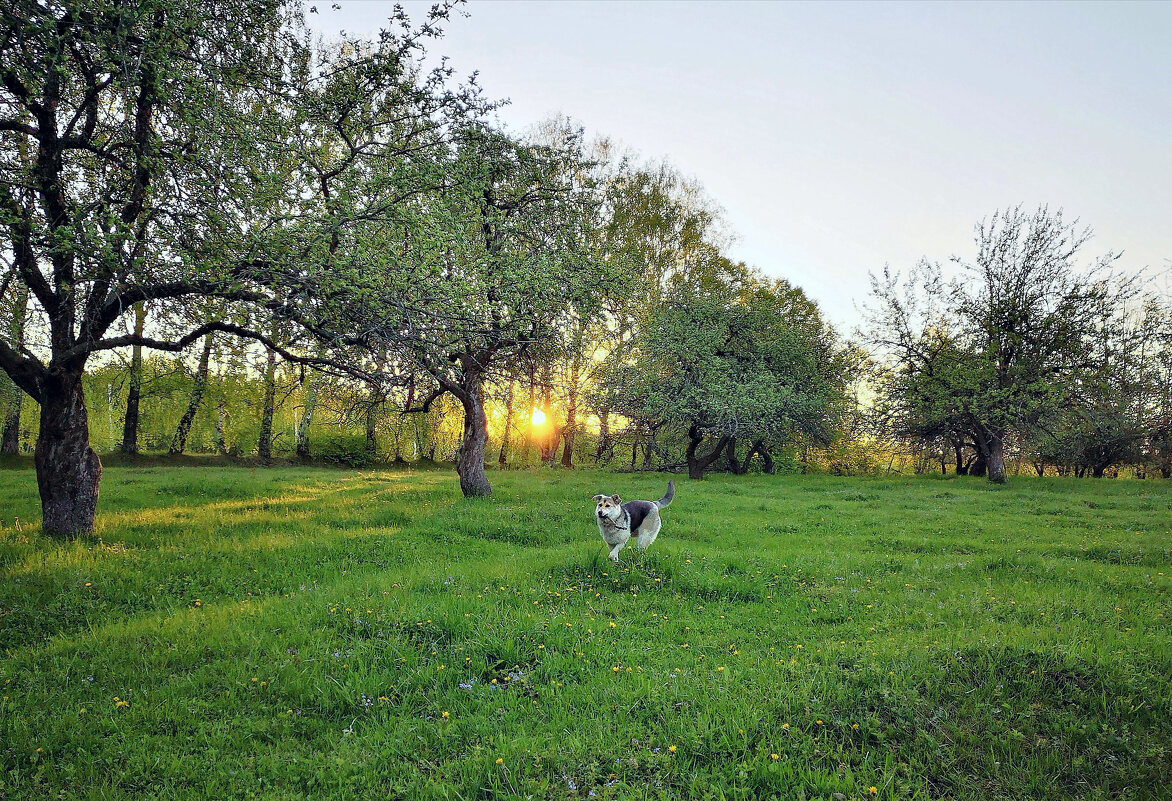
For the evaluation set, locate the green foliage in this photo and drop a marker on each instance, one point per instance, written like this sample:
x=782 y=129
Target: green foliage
x=301 y=632
x=735 y=355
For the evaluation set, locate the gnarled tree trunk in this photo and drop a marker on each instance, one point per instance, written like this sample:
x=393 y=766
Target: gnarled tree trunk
x=996 y=457
x=179 y=441
x=470 y=455
x=697 y=464
x=68 y=470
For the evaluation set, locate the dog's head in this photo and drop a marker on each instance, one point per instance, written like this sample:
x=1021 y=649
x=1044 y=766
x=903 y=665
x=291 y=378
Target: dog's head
x=609 y=507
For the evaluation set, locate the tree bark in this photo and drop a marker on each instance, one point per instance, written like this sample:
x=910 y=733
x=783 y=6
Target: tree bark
x=264 y=443
x=470 y=455
x=10 y=436
x=649 y=447
x=571 y=429
x=529 y=415
x=179 y=441
x=303 y=449
x=962 y=468
x=698 y=464
x=605 y=450
x=766 y=460
x=68 y=470
x=996 y=464
x=979 y=467
x=221 y=444
x=572 y=407
x=503 y=459
x=735 y=465
x=371 y=421
x=134 y=394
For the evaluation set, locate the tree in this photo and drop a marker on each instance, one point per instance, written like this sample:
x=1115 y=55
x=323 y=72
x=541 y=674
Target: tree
x=1020 y=313
x=188 y=150
x=1101 y=421
x=510 y=274
x=198 y=387
x=733 y=356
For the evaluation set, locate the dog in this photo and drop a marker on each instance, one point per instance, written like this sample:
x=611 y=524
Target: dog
x=618 y=521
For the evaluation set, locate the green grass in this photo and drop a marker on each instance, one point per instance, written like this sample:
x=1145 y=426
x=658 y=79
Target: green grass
x=323 y=634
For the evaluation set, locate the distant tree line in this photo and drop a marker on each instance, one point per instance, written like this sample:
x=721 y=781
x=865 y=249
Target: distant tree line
x=221 y=234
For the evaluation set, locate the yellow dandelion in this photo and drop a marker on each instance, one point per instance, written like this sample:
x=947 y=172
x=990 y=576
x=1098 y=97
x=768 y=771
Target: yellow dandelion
x=445 y=715
x=774 y=757
x=500 y=761
x=671 y=748
x=873 y=790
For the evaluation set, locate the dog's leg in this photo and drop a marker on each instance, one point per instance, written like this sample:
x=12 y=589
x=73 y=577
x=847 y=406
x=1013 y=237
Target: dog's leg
x=648 y=532
x=614 y=552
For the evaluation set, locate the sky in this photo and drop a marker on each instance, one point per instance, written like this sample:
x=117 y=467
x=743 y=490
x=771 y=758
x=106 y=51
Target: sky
x=841 y=137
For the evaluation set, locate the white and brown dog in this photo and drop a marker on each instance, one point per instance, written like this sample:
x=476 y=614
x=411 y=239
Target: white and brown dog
x=618 y=521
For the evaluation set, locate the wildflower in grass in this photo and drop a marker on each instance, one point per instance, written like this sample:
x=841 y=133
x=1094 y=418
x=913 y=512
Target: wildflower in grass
x=445 y=715
x=671 y=748
x=500 y=761
x=774 y=757
x=785 y=727
x=872 y=790
x=119 y=703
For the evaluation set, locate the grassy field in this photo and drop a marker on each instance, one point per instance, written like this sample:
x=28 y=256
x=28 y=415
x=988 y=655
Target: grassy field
x=240 y=633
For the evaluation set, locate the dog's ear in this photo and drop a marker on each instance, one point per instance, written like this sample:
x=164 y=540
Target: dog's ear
x=598 y=497
x=616 y=499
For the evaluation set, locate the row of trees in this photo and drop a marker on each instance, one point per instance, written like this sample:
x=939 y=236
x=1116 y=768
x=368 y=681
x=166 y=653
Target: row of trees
x=341 y=222
x=172 y=172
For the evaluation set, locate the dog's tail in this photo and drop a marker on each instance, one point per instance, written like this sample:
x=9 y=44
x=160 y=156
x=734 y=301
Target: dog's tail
x=666 y=499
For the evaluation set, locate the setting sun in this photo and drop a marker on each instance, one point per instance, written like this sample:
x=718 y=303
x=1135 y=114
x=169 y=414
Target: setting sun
x=538 y=417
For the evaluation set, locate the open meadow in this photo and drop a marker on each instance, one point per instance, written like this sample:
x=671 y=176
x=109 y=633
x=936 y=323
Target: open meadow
x=229 y=632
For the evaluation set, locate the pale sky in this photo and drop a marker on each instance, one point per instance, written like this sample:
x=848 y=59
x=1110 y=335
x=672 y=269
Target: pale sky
x=842 y=136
